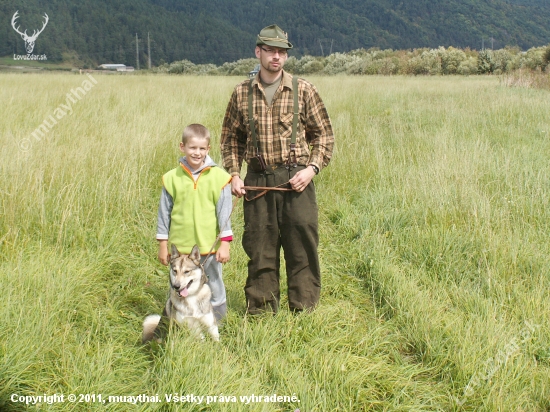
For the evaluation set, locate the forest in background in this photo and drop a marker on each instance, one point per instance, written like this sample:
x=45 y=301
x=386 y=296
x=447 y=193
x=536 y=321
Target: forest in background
x=88 y=33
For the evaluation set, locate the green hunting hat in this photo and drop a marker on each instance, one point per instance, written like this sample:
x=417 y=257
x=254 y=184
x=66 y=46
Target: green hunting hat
x=273 y=36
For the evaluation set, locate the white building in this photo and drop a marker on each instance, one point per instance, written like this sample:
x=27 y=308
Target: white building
x=117 y=67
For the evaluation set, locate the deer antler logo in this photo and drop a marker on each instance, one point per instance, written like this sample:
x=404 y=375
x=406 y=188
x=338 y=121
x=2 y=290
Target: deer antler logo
x=29 y=40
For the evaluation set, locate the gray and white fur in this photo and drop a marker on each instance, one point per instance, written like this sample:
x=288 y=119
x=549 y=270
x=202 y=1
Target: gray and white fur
x=189 y=301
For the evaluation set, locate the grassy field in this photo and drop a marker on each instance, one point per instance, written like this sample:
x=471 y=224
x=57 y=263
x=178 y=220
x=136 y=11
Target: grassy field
x=435 y=223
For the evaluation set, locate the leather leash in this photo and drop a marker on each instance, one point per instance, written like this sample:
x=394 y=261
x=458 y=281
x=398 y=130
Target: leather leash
x=265 y=189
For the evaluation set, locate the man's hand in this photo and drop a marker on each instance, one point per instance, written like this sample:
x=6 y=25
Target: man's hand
x=237 y=186
x=222 y=255
x=164 y=256
x=302 y=178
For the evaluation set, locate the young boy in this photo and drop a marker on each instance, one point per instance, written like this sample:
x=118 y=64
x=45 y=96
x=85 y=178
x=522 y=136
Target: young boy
x=195 y=206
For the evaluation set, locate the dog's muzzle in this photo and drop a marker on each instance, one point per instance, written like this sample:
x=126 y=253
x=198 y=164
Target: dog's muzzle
x=182 y=292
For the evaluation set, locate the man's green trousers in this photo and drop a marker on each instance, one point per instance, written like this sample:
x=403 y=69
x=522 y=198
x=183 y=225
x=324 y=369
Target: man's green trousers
x=281 y=219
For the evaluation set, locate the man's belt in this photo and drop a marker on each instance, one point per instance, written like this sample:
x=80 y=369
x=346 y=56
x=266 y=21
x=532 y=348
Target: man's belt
x=270 y=168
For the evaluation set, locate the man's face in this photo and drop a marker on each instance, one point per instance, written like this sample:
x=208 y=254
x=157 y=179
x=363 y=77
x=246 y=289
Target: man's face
x=271 y=58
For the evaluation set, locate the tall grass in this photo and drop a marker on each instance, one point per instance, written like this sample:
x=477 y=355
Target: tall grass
x=527 y=78
x=434 y=248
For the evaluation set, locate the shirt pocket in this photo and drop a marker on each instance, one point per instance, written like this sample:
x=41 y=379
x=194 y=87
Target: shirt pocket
x=285 y=125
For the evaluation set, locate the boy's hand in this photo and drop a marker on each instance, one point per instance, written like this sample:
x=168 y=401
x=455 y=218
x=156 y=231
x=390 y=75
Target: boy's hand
x=222 y=255
x=164 y=256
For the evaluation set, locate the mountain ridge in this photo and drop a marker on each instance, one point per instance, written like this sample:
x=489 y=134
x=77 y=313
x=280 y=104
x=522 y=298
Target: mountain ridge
x=219 y=31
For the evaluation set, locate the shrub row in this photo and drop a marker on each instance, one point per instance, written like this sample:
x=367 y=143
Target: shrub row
x=440 y=61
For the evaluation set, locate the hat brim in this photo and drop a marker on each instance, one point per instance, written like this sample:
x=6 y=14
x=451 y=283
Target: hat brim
x=282 y=44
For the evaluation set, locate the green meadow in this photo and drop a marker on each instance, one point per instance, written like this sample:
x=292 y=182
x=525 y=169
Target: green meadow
x=435 y=232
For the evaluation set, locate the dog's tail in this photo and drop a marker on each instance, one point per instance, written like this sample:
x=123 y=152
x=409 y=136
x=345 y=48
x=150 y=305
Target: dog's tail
x=149 y=326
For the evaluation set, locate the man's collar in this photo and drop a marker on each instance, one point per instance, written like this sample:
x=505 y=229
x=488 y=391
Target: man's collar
x=287 y=80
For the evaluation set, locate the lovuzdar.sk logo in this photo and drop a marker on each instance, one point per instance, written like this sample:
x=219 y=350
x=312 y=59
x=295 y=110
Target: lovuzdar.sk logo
x=29 y=40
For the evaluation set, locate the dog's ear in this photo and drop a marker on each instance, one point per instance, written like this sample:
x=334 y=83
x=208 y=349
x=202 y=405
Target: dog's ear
x=195 y=253
x=175 y=253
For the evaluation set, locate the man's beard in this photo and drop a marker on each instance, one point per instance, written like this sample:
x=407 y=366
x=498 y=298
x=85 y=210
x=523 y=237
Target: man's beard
x=272 y=69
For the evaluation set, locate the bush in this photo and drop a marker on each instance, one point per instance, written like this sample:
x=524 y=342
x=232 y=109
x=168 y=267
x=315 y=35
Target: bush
x=309 y=65
x=339 y=63
x=451 y=60
x=290 y=65
x=546 y=58
x=468 y=66
x=533 y=58
x=312 y=67
x=358 y=66
x=429 y=62
x=389 y=66
x=502 y=60
x=414 y=66
x=485 y=63
x=181 y=67
x=239 y=68
x=207 y=69
x=373 y=66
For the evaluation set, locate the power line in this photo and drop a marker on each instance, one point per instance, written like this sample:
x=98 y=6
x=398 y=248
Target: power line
x=137 y=52
x=148 y=52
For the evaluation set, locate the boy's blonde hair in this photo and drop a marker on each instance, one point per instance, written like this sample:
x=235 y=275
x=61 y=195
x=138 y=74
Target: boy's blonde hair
x=195 y=130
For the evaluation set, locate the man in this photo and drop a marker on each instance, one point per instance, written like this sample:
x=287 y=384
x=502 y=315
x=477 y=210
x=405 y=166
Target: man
x=275 y=159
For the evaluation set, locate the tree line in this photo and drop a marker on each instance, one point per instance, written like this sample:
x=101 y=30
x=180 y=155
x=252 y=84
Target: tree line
x=373 y=61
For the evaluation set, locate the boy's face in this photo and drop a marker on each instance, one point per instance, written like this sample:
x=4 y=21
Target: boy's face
x=195 y=151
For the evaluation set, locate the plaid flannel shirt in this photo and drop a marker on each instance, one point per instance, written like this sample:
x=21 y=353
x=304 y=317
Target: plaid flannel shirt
x=314 y=137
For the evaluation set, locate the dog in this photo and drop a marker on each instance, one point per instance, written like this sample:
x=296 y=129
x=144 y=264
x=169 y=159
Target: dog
x=189 y=300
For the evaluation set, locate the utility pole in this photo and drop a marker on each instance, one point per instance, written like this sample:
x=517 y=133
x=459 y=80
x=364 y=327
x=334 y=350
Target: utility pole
x=148 y=52
x=137 y=52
